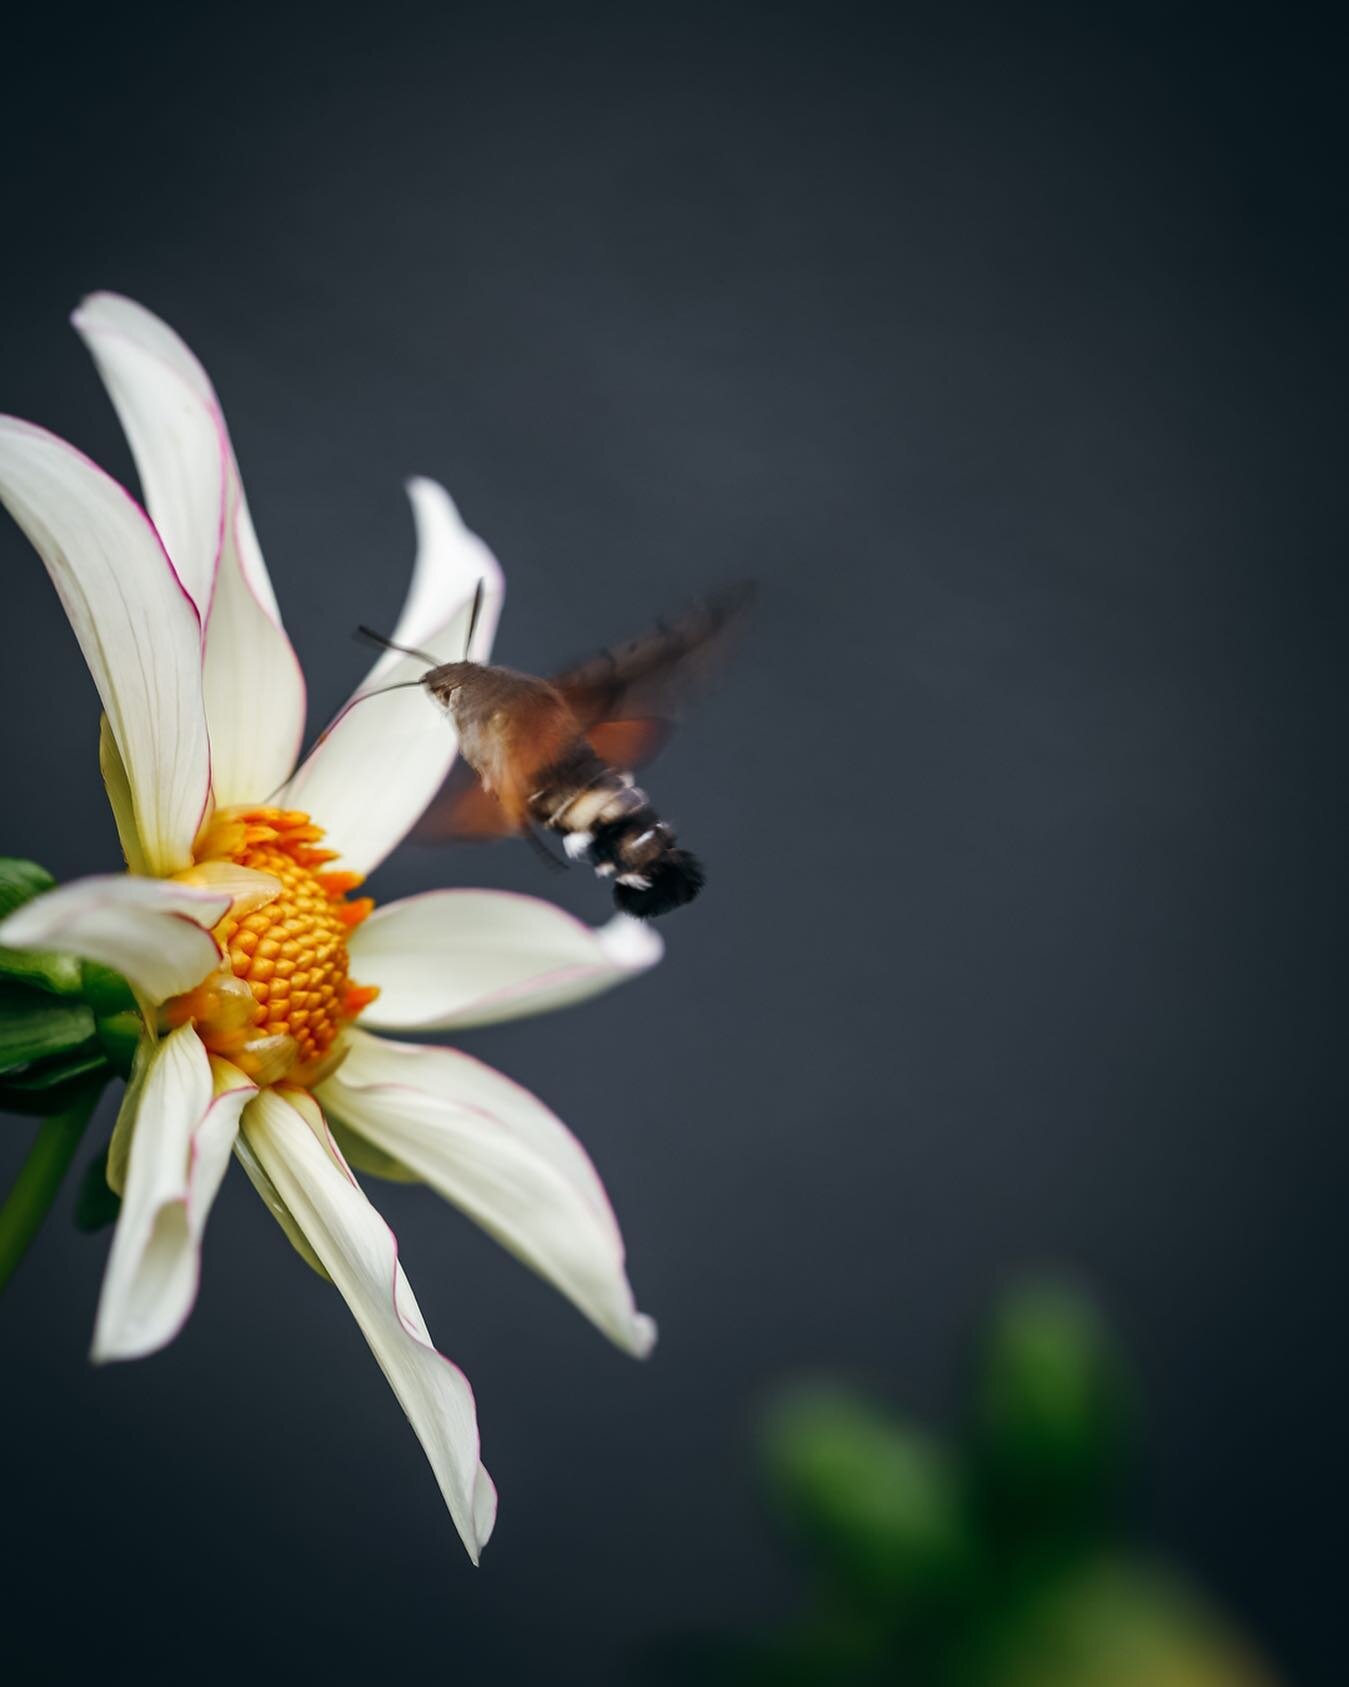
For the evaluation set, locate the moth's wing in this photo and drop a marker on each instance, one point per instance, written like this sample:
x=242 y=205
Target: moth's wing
x=629 y=743
x=464 y=812
x=536 y=730
x=637 y=688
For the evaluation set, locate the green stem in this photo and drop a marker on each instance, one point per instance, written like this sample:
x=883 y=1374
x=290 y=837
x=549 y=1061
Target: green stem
x=29 y=1201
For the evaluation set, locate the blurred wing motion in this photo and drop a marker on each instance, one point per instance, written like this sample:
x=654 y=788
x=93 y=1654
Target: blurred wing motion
x=647 y=679
x=625 y=701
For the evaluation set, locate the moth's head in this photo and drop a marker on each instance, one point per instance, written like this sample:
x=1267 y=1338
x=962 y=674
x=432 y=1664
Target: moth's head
x=446 y=682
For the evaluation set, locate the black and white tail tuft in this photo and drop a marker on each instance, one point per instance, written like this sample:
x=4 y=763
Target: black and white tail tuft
x=650 y=874
x=671 y=881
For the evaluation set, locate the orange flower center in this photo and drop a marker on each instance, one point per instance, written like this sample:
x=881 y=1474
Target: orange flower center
x=278 y=1006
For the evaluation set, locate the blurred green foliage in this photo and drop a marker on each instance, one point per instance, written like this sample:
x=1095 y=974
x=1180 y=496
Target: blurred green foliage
x=66 y=1028
x=64 y=1024
x=992 y=1559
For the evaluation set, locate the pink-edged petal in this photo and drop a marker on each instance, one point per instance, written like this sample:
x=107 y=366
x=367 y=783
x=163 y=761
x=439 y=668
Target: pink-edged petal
x=359 y=1252
x=136 y=624
x=253 y=684
x=453 y=958
x=378 y=765
x=163 y=401
x=254 y=690
x=155 y=932
x=500 y=1155
x=187 y=1108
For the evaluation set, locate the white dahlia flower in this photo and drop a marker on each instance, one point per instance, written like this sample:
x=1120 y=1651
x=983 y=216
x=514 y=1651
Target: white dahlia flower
x=262 y=982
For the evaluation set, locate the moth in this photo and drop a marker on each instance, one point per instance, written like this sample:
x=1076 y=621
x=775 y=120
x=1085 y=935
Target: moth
x=558 y=754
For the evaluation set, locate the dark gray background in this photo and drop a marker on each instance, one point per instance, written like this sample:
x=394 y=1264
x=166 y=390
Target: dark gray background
x=1007 y=357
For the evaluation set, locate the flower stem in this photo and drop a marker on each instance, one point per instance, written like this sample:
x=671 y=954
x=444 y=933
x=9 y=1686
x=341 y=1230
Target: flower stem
x=29 y=1201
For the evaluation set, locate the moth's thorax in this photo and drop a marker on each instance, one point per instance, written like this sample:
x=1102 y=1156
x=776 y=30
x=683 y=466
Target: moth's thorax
x=507 y=722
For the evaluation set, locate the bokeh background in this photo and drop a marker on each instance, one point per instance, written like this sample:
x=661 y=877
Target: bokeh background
x=1005 y=350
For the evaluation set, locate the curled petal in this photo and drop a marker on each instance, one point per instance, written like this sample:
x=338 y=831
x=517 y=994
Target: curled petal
x=378 y=765
x=136 y=624
x=187 y=1110
x=163 y=401
x=254 y=690
x=453 y=958
x=496 y=1152
x=155 y=932
x=359 y=1253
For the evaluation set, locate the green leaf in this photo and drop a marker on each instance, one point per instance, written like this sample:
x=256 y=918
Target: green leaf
x=35 y=1026
x=60 y=974
x=1052 y=1416
x=96 y=1206
x=53 y=1087
x=878 y=1501
x=20 y=882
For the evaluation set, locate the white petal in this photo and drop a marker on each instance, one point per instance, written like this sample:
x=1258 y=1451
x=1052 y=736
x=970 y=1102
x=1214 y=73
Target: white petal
x=135 y=622
x=254 y=687
x=164 y=403
x=155 y=932
x=453 y=958
x=247 y=888
x=254 y=690
x=186 y=1117
x=360 y=1254
x=378 y=765
x=498 y=1153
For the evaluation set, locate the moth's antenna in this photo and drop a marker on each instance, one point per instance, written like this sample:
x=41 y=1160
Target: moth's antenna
x=473 y=617
x=402 y=685
x=372 y=637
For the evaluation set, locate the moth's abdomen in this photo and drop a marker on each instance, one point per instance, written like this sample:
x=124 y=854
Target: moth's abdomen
x=604 y=818
x=653 y=884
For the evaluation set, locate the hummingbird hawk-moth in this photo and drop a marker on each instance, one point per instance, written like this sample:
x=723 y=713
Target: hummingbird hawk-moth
x=559 y=753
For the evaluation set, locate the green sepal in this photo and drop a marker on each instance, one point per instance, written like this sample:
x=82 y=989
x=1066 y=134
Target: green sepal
x=20 y=882
x=34 y=1026
x=366 y=1157
x=119 y=1038
x=96 y=1206
x=106 y=991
